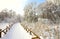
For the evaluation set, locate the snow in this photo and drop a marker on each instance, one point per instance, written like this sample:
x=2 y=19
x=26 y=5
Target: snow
x=17 y=32
x=3 y=25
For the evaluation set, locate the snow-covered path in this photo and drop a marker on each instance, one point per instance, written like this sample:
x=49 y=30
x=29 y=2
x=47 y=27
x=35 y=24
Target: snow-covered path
x=17 y=32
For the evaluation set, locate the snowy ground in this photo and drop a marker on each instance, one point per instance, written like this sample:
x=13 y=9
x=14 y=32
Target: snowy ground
x=3 y=25
x=17 y=32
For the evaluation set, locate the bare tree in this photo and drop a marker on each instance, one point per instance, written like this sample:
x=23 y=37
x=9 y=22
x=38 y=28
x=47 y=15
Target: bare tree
x=30 y=12
x=46 y=10
x=49 y=11
x=9 y=16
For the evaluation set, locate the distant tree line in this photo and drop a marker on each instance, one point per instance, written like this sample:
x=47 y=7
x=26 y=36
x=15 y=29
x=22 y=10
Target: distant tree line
x=9 y=16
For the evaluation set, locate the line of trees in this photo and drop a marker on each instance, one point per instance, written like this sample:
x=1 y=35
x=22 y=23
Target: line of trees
x=9 y=16
x=46 y=10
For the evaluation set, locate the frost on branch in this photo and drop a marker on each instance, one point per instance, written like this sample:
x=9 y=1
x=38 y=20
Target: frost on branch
x=48 y=20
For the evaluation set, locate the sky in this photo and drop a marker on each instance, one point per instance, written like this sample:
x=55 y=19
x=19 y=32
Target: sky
x=38 y=1
x=16 y=5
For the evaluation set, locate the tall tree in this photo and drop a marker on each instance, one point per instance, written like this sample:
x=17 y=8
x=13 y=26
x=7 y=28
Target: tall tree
x=30 y=12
